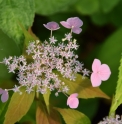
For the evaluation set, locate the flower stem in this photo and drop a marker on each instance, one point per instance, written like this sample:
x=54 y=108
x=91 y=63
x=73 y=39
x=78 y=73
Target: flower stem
x=51 y=33
x=112 y=108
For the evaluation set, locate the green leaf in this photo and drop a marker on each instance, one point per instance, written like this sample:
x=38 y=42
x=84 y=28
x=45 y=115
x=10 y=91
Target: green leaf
x=27 y=119
x=18 y=106
x=49 y=7
x=87 y=7
x=13 y=12
x=2 y=106
x=7 y=48
x=83 y=87
x=30 y=115
x=73 y=116
x=42 y=117
x=29 y=36
x=1 y=1
x=118 y=95
x=46 y=98
x=108 y=5
x=3 y=109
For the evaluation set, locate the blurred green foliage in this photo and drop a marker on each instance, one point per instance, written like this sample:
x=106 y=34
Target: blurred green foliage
x=12 y=13
x=7 y=48
x=49 y=7
x=101 y=37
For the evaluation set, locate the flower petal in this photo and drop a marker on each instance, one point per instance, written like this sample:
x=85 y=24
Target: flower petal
x=52 y=26
x=73 y=102
x=65 y=24
x=4 y=96
x=76 y=30
x=95 y=80
x=75 y=21
x=68 y=100
x=1 y=91
x=74 y=95
x=95 y=65
x=105 y=72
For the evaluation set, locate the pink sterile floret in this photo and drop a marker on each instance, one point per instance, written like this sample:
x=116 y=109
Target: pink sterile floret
x=73 y=101
x=74 y=24
x=101 y=72
x=4 y=95
x=52 y=26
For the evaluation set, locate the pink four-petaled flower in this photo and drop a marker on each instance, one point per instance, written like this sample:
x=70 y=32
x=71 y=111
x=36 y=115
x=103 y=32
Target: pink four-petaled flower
x=74 y=24
x=4 y=95
x=52 y=26
x=101 y=72
x=73 y=101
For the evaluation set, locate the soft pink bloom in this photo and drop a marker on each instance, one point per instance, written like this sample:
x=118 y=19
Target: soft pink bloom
x=4 y=95
x=74 y=24
x=101 y=72
x=52 y=26
x=1 y=91
x=73 y=101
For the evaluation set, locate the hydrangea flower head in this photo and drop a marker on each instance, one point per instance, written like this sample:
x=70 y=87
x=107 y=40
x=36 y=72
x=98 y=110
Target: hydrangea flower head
x=46 y=60
x=73 y=101
x=74 y=24
x=101 y=72
x=52 y=26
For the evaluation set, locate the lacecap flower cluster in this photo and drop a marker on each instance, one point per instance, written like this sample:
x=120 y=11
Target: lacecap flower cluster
x=112 y=120
x=49 y=56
